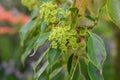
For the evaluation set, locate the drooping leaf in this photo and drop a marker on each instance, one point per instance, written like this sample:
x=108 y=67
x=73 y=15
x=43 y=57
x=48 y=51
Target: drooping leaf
x=96 y=50
x=55 y=72
x=26 y=29
x=113 y=8
x=35 y=13
x=35 y=44
x=53 y=55
x=28 y=50
x=69 y=64
x=41 y=40
x=41 y=70
x=94 y=73
x=39 y=60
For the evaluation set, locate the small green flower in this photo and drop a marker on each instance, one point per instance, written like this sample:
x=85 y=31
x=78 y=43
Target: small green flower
x=49 y=11
x=82 y=45
x=63 y=48
x=73 y=40
x=54 y=44
x=83 y=32
x=75 y=46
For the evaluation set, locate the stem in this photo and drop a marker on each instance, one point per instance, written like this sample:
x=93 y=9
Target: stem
x=79 y=67
x=78 y=59
x=96 y=20
x=75 y=65
x=73 y=3
x=74 y=70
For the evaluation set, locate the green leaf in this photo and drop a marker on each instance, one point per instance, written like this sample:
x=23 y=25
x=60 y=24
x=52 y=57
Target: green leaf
x=53 y=55
x=28 y=50
x=96 y=50
x=55 y=72
x=43 y=25
x=41 y=40
x=94 y=6
x=74 y=9
x=113 y=8
x=35 y=44
x=35 y=13
x=42 y=69
x=69 y=64
x=94 y=73
x=74 y=16
x=101 y=41
x=26 y=29
x=39 y=60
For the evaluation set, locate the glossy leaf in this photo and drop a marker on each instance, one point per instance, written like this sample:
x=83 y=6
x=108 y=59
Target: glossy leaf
x=69 y=64
x=35 y=44
x=39 y=60
x=96 y=50
x=35 y=13
x=113 y=7
x=101 y=41
x=28 y=50
x=94 y=73
x=28 y=27
x=42 y=69
x=53 y=55
x=41 y=40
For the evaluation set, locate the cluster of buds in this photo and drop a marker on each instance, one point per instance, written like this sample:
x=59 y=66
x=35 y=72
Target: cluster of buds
x=64 y=37
x=51 y=12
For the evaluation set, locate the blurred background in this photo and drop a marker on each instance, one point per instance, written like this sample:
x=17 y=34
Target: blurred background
x=13 y=15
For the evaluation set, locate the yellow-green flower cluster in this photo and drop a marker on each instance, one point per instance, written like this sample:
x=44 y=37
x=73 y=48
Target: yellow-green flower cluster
x=63 y=37
x=49 y=11
x=31 y=4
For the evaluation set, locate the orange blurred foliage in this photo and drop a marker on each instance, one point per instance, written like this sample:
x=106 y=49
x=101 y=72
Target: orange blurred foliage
x=8 y=30
x=7 y=16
